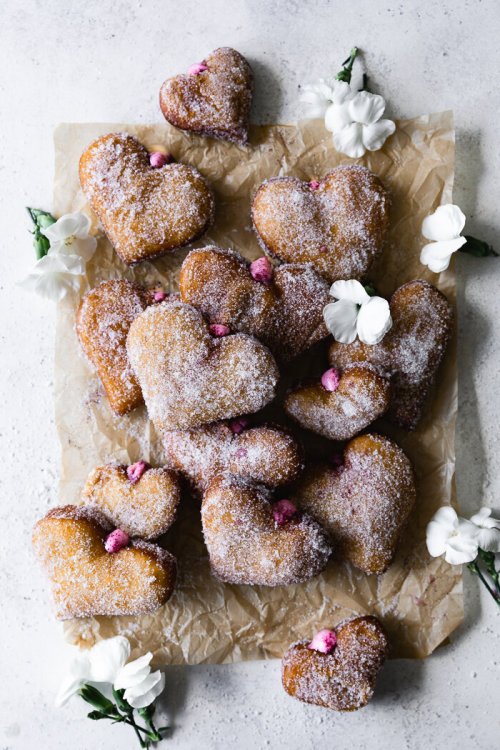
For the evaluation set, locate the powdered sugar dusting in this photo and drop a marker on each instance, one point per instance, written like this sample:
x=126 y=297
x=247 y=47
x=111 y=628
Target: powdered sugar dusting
x=189 y=378
x=246 y=545
x=361 y=398
x=102 y=324
x=286 y=315
x=339 y=227
x=266 y=454
x=410 y=353
x=343 y=680
x=365 y=503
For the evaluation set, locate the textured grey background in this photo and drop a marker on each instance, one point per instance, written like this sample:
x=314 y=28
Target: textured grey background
x=104 y=61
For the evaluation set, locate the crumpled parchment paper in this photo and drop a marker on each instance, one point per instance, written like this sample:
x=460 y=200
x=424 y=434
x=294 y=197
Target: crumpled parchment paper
x=419 y=599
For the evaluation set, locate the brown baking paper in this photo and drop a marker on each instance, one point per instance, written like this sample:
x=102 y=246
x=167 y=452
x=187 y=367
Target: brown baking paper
x=419 y=599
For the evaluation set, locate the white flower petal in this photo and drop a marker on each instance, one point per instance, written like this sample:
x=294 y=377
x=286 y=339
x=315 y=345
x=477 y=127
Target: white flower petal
x=316 y=97
x=139 y=699
x=441 y=526
x=340 y=319
x=349 y=140
x=54 y=286
x=78 y=671
x=342 y=92
x=375 y=135
x=337 y=117
x=462 y=547
x=65 y=263
x=483 y=519
x=352 y=290
x=374 y=320
x=134 y=672
x=489 y=539
x=445 y=223
x=366 y=108
x=107 y=658
x=81 y=247
x=437 y=255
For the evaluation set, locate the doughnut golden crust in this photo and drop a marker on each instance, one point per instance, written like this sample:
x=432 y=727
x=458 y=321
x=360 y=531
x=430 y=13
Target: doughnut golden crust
x=364 y=504
x=144 y=509
x=188 y=377
x=268 y=454
x=344 y=679
x=410 y=353
x=338 y=226
x=145 y=211
x=286 y=315
x=215 y=101
x=102 y=323
x=245 y=544
x=87 y=580
x=362 y=396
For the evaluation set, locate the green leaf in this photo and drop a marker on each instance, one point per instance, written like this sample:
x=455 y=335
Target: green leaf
x=95 y=715
x=121 y=702
x=92 y=695
x=477 y=248
x=346 y=72
x=147 y=712
x=370 y=289
x=41 y=220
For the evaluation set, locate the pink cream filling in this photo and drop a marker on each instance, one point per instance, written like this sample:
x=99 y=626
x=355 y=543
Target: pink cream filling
x=115 y=541
x=324 y=641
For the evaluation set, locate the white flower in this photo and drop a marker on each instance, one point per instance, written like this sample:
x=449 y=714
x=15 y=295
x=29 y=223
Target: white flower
x=452 y=536
x=356 y=123
x=443 y=227
x=317 y=97
x=71 y=246
x=107 y=662
x=356 y=314
x=488 y=535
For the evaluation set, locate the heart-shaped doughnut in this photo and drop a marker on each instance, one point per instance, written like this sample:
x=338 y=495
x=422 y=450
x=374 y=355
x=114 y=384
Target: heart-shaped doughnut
x=268 y=454
x=247 y=545
x=410 y=353
x=87 y=580
x=344 y=678
x=365 y=503
x=361 y=396
x=102 y=323
x=189 y=378
x=145 y=211
x=337 y=224
x=143 y=507
x=213 y=98
x=286 y=314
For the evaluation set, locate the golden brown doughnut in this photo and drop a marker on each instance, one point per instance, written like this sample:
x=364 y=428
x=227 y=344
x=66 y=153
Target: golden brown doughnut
x=145 y=211
x=286 y=315
x=337 y=224
x=343 y=679
x=245 y=542
x=86 y=580
x=213 y=98
x=365 y=503
x=188 y=377
x=410 y=353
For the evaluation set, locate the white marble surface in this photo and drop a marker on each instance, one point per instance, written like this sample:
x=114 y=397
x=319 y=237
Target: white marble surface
x=104 y=61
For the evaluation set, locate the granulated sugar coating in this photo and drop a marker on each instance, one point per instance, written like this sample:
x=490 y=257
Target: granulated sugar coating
x=144 y=211
x=102 y=324
x=339 y=226
x=246 y=545
x=365 y=503
x=362 y=396
x=266 y=454
x=344 y=679
x=286 y=315
x=410 y=353
x=188 y=378
x=87 y=580
x=145 y=509
x=216 y=101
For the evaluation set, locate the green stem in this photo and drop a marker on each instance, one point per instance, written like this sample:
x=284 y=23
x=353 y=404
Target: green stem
x=346 y=72
x=489 y=560
x=473 y=566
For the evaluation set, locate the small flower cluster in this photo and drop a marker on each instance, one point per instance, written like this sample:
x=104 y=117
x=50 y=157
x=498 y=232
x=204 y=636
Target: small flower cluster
x=467 y=541
x=134 y=686
x=63 y=248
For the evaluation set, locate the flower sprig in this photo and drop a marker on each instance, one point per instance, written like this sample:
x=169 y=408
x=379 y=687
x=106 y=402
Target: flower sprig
x=473 y=542
x=354 y=116
x=133 y=685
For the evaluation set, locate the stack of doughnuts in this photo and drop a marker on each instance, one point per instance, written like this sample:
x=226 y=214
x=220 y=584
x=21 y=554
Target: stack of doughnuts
x=210 y=360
